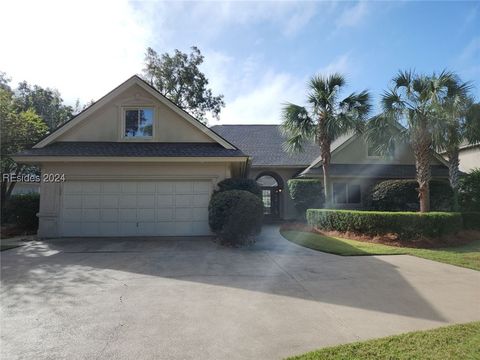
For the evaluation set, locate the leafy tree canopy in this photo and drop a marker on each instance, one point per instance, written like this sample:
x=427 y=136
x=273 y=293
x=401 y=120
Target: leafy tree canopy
x=46 y=102
x=179 y=78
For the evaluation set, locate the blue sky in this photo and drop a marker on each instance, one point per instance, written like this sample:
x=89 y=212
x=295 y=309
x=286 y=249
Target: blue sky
x=258 y=54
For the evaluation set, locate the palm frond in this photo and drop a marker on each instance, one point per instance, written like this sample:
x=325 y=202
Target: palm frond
x=297 y=126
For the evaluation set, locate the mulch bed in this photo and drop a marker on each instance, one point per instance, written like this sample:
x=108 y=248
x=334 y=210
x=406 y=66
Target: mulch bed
x=461 y=238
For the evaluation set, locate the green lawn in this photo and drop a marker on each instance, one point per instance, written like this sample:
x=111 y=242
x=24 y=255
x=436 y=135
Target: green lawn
x=445 y=343
x=466 y=255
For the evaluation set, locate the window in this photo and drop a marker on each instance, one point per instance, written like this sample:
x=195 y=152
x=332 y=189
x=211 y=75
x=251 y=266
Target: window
x=267 y=202
x=139 y=123
x=344 y=193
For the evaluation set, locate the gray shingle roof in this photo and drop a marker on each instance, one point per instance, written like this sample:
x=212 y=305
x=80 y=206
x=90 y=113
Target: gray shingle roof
x=264 y=143
x=133 y=149
x=378 y=171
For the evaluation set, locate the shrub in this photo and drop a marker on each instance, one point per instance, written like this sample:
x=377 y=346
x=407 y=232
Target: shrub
x=235 y=215
x=471 y=220
x=406 y=225
x=469 y=192
x=306 y=193
x=402 y=195
x=240 y=184
x=22 y=210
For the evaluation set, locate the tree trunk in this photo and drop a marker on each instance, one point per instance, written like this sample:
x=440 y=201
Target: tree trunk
x=422 y=151
x=454 y=174
x=324 y=143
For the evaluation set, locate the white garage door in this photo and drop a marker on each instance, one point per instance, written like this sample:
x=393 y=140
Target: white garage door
x=135 y=208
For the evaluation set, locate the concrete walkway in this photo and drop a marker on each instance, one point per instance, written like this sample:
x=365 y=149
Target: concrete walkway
x=192 y=299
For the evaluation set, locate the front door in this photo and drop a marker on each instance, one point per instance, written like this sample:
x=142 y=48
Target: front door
x=270 y=198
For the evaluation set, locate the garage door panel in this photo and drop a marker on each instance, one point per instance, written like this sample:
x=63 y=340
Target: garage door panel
x=108 y=228
x=200 y=214
x=73 y=201
x=91 y=215
x=112 y=187
x=201 y=200
x=183 y=214
x=165 y=214
x=145 y=201
x=91 y=187
x=109 y=215
x=90 y=228
x=109 y=201
x=91 y=201
x=164 y=201
x=183 y=200
x=129 y=187
x=183 y=187
x=202 y=187
x=72 y=214
x=146 y=187
x=165 y=187
x=72 y=188
x=127 y=202
x=146 y=215
x=135 y=208
x=127 y=215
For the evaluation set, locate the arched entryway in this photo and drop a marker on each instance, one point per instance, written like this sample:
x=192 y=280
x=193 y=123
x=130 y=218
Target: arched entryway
x=272 y=187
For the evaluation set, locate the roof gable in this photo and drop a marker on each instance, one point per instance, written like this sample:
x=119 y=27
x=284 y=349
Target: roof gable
x=199 y=132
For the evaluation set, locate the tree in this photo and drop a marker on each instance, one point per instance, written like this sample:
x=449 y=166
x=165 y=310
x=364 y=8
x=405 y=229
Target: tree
x=19 y=130
x=461 y=124
x=326 y=119
x=413 y=101
x=46 y=102
x=179 y=78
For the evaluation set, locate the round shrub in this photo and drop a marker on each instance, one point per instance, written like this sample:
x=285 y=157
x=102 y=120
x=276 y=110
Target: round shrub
x=249 y=185
x=22 y=210
x=306 y=193
x=235 y=215
x=402 y=195
x=406 y=225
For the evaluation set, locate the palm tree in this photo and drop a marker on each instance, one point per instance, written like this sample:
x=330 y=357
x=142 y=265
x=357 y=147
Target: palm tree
x=462 y=124
x=326 y=118
x=410 y=114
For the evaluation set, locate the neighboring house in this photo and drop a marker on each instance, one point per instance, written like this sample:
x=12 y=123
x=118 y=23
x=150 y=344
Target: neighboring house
x=469 y=157
x=135 y=164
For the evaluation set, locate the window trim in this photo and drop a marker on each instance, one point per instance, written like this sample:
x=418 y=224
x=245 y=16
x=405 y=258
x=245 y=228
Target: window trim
x=123 y=122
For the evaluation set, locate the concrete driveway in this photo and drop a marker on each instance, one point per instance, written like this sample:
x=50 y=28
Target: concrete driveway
x=192 y=299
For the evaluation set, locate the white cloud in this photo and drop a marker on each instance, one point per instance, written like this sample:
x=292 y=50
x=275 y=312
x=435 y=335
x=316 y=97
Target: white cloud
x=341 y=65
x=353 y=15
x=262 y=105
x=82 y=48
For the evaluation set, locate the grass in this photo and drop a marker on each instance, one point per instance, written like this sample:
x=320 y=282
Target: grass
x=467 y=256
x=445 y=343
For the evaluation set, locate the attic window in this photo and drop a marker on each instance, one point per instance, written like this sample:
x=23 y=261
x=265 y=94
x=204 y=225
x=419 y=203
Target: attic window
x=139 y=123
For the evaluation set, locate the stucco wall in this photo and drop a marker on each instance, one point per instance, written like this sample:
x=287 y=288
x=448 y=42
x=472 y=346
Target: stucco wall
x=50 y=202
x=355 y=152
x=106 y=124
x=470 y=159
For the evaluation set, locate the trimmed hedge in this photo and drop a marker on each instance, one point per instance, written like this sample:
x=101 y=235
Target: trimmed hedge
x=22 y=210
x=406 y=225
x=249 y=185
x=235 y=215
x=471 y=220
x=402 y=195
x=306 y=193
